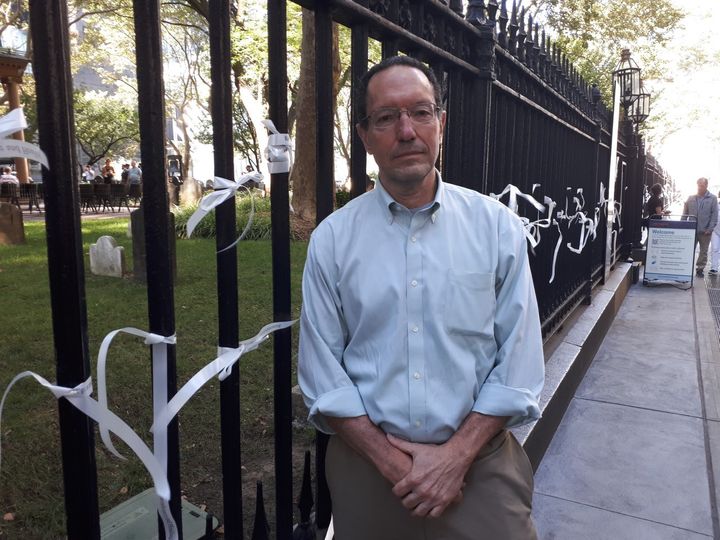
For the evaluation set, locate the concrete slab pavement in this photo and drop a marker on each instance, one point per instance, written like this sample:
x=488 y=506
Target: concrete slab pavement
x=637 y=454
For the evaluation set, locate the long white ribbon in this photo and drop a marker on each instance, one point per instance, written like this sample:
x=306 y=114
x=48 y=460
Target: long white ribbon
x=220 y=366
x=11 y=123
x=79 y=396
x=159 y=354
x=224 y=190
x=279 y=149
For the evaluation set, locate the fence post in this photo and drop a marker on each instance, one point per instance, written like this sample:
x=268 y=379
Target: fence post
x=51 y=66
x=160 y=290
x=476 y=147
x=280 y=216
x=227 y=282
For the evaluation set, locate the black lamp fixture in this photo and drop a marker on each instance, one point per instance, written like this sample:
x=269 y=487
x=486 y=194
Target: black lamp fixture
x=627 y=76
x=639 y=110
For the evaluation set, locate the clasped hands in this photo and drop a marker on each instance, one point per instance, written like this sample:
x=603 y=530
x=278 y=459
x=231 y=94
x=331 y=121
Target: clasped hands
x=426 y=477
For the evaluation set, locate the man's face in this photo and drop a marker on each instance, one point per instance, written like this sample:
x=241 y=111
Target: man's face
x=702 y=187
x=133 y=164
x=405 y=152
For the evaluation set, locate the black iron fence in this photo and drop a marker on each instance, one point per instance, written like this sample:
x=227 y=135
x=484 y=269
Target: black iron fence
x=522 y=125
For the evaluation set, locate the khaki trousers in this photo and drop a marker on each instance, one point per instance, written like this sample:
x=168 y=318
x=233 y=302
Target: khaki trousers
x=496 y=505
x=704 y=241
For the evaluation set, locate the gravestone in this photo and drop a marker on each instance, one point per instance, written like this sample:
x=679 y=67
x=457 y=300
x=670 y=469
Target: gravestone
x=107 y=258
x=12 y=230
x=137 y=228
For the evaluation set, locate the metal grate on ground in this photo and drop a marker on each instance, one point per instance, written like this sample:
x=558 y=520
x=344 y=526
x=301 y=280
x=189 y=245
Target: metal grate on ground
x=713 y=289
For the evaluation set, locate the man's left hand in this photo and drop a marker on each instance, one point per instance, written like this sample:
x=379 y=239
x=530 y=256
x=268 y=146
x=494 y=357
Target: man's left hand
x=435 y=480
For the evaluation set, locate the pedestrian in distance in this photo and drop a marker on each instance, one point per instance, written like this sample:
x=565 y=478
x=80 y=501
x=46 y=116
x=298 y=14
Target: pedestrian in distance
x=134 y=173
x=88 y=174
x=108 y=172
x=7 y=177
x=420 y=337
x=704 y=206
x=715 y=260
x=655 y=204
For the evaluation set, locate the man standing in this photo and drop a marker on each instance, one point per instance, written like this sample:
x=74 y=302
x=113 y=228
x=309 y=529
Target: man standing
x=7 y=177
x=704 y=206
x=134 y=173
x=420 y=338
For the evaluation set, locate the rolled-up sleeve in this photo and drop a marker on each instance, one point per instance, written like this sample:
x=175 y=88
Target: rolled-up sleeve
x=326 y=387
x=513 y=386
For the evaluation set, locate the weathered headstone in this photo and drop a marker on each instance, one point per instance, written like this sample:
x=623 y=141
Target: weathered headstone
x=12 y=230
x=107 y=258
x=137 y=227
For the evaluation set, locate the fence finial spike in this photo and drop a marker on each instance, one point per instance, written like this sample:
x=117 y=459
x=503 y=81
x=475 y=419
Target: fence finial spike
x=261 y=529
x=306 y=528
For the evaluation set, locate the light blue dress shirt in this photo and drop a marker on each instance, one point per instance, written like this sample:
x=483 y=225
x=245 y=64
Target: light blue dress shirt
x=417 y=318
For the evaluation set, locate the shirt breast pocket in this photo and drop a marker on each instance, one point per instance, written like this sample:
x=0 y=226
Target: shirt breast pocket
x=470 y=304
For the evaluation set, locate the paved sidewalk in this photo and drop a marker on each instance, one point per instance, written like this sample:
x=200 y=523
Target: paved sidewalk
x=634 y=455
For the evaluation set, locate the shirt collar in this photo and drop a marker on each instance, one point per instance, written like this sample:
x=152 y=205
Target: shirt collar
x=388 y=203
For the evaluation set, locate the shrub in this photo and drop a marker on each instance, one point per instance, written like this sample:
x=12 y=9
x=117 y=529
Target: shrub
x=259 y=230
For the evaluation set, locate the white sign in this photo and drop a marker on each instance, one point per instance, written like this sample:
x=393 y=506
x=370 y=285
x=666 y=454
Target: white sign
x=670 y=251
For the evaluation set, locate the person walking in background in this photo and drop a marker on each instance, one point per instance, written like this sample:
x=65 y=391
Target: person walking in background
x=704 y=206
x=420 y=338
x=134 y=173
x=7 y=177
x=715 y=260
x=655 y=204
x=108 y=172
x=88 y=174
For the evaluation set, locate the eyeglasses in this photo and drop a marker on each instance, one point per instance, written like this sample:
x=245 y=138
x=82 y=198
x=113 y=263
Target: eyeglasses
x=420 y=114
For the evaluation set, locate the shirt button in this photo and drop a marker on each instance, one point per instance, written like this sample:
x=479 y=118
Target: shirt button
x=413 y=239
x=415 y=329
x=418 y=423
x=413 y=283
x=416 y=375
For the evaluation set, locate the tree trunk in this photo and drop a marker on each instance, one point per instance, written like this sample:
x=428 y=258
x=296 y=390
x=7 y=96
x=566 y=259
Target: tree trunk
x=304 y=172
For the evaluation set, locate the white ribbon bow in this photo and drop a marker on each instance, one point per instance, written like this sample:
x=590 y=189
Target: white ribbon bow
x=224 y=190
x=220 y=366
x=79 y=396
x=11 y=123
x=279 y=149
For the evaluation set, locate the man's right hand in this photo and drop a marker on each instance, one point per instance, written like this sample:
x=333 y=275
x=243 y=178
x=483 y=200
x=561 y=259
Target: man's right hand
x=370 y=441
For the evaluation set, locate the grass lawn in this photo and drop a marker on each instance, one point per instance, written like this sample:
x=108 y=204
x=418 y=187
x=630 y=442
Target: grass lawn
x=31 y=480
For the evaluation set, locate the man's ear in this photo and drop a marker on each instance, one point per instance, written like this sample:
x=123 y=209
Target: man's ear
x=362 y=132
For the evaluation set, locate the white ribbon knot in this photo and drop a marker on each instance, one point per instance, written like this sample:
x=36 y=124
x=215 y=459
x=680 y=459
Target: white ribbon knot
x=224 y=190
x=279 y=149
x=220 y=366
x=13 y=122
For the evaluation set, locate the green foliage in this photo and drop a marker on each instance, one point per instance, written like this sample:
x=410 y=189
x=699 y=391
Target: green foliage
x=259 y=230
x=593 y=32
x=105 y=125
x=342 y=198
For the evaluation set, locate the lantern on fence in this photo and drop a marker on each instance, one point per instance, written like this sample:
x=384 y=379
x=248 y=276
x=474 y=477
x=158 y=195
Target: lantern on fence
x=639 y=110
x=627 y=76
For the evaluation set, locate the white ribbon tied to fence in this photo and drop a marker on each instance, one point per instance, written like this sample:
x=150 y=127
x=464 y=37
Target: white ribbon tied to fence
x=279 y=149
x=220 y=367
x=79 y=396
x=11 y=123
x=224 y=190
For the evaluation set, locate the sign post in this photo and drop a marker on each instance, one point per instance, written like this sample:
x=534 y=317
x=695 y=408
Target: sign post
x=670 y=250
